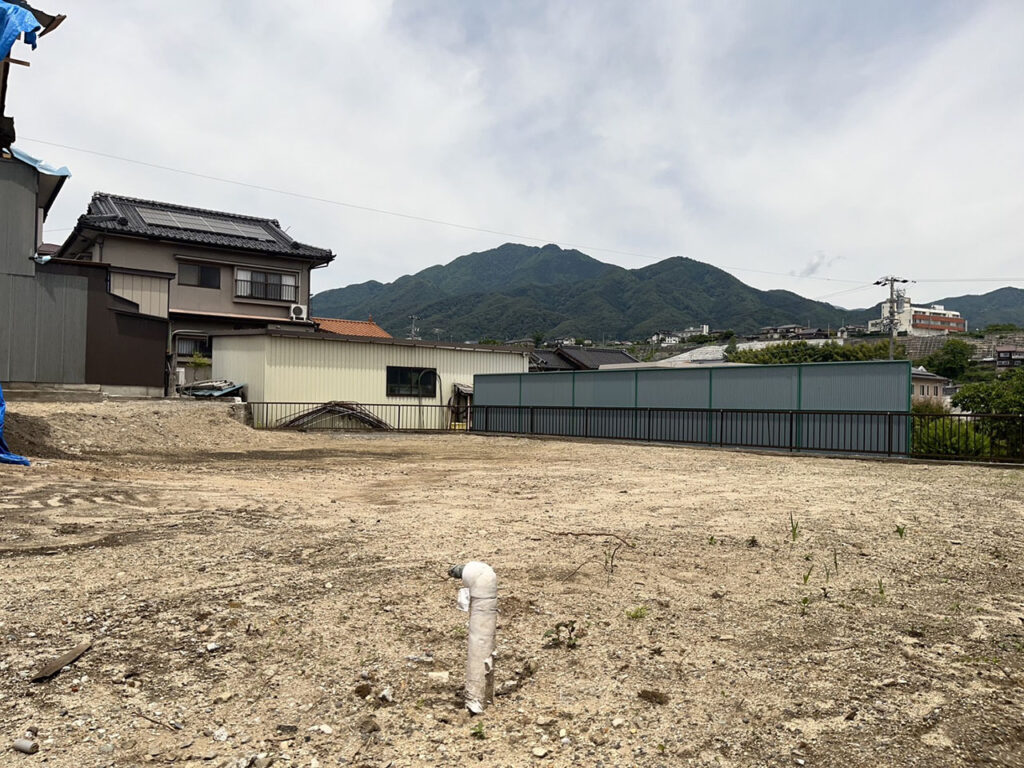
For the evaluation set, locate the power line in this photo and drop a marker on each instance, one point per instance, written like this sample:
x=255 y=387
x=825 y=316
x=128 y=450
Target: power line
x=845 y=290
x=399 y=214
x=471 y=228
x=975 y=280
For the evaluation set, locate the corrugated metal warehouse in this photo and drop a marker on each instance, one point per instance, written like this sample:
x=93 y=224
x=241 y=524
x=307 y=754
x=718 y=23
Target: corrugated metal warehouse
x=279 y=366
x=816 y=406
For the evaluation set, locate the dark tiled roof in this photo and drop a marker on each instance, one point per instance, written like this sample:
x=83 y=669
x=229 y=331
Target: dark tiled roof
x=548 y=360
x=590 y=358
x=120 y=215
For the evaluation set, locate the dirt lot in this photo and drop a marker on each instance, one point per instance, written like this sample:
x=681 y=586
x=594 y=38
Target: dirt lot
x=253 y=594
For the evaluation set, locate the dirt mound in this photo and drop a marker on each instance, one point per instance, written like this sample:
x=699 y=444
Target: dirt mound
x=30 y=435
x=68 y=430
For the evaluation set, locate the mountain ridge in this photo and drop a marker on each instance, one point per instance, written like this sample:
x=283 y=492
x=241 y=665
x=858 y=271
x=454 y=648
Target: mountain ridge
x=515 y=291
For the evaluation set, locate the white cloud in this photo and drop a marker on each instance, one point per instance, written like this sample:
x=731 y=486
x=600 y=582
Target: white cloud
x=749 y=135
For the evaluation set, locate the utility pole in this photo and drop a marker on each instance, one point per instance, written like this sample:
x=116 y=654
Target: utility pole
x=413 y=330
x=894 y=295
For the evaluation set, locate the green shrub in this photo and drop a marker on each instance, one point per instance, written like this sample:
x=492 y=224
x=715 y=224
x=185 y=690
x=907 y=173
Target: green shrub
x=949 y=437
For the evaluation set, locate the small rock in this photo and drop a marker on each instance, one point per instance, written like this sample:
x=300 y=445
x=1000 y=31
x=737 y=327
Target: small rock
x=221 y=734
x=223 y=698
x=26 y=746
x=539 y=752
x=598 y=739
x=653 y=697
x=438 y=677
x=363 y=690
x=618 y=722
x=387 y=695
x=544 y=722
x=212 y=647
x=368 y=725
x=323 y=729
x=287 y=729
x=106 y=749
x=509 y=686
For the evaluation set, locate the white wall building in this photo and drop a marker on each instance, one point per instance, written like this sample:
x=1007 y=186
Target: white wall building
x=286 y=366
x=933 y=320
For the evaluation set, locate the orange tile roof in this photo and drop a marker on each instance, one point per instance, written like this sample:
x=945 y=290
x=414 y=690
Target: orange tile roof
x=351 y=327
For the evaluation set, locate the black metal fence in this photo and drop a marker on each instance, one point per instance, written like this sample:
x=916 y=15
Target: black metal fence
x=358 y=416
x=967 y=437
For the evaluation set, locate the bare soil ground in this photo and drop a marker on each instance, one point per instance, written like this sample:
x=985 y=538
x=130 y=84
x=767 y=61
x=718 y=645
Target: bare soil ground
x=251 y=595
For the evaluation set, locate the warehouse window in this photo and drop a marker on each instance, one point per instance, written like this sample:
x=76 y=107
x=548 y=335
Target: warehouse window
x=201 y=275
x=411 y=382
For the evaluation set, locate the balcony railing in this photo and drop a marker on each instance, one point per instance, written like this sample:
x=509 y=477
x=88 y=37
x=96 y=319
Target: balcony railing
x=252 y=289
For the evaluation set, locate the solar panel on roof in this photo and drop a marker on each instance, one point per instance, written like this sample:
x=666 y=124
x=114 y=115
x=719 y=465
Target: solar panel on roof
x=198 y=223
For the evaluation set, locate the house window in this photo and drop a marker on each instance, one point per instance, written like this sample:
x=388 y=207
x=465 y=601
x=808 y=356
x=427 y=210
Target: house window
x=275 y=286
x=936 y=391
x=201 y=275
x=411 y=382
x=187 y=346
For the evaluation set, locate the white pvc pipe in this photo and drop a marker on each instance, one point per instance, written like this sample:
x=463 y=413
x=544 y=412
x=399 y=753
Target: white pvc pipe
x=482 y=583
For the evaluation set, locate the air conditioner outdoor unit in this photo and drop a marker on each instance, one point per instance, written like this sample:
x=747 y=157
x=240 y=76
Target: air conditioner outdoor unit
x=298 y=312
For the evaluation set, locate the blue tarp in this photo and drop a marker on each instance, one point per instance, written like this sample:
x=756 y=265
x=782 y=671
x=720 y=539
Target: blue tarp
x=6 y=457
x=13 y=21
x=40 y=165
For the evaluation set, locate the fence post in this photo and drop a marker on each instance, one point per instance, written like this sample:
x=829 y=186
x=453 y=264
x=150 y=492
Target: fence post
x=792 y=420
x=721 y=427
x=889 y=432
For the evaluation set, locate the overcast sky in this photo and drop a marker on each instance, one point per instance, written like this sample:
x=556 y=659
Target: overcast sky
x=811 y=139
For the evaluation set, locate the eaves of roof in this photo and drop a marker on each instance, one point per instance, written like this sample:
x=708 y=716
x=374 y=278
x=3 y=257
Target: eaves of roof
x=118 y=215
x=320 y=336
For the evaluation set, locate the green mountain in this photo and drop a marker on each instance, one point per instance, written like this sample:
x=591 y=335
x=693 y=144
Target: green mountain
x=1003 y=305
x=517 y=290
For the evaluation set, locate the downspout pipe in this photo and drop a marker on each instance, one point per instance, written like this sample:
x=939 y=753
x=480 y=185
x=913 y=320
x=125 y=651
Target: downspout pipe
x=481 y=583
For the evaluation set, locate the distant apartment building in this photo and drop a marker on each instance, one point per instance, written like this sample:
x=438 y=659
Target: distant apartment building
x=1009 y=357
x=933 y=320
x=928 y=386
x=668 y=338
x=774 y=332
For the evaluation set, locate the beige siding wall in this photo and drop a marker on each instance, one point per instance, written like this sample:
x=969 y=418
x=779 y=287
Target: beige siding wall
x=165 y=257
x=318 y=370
x=150 y=293
x=240 y=359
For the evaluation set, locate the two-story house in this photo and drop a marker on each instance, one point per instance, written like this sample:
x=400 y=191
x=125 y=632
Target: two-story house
x=206 y=271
